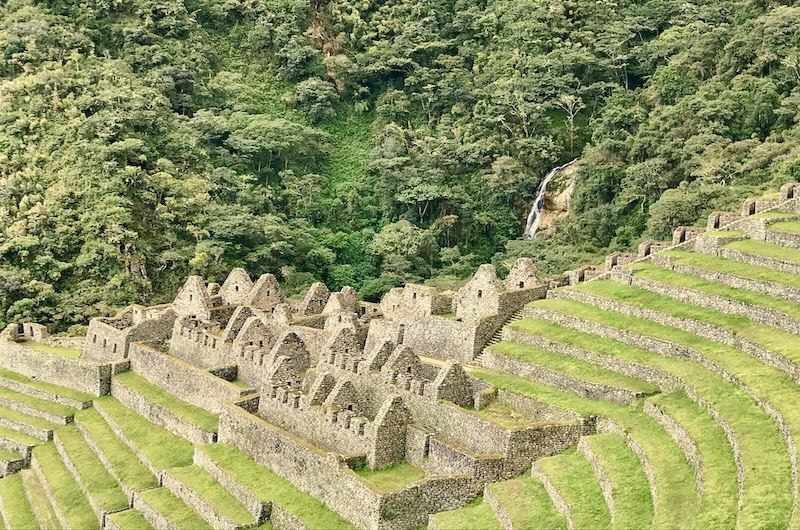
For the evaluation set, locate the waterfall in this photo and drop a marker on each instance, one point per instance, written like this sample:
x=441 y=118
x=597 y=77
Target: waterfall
x=532 y=224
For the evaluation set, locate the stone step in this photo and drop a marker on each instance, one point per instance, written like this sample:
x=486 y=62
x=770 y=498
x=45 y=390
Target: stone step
x=10 y=462
x=165 y=410
x=28 y=425
x=478 y=515
x=42 y=507
x=200 y=491
x=157 y=448
x=71 y=507
x=565 y=373
x=621 y=478
x=43 y=390
x=98 y=486
x=523 y=503
x=161 y=509
x=18 y=443
x=127 y=520
x=117 y=457
x=574 y=489
x=262 y=492
x=759 y=253
x=39 y=408
x=15 y=508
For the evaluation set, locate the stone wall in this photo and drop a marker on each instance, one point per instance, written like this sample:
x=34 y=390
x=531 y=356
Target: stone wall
x=332 y=482
x=183 y=380
x=86 y=376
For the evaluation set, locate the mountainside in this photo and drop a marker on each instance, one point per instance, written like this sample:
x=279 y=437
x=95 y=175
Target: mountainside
x=368 y=143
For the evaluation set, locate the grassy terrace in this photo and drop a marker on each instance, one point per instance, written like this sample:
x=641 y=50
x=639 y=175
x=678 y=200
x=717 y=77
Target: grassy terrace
x=701 y=379
x=9 y=455
x=569 y=365
x=46 y=387
x=391 y=478
x=130 y=519
x=213 y=493
x=18 y=437
x=786 y=226
x=735 y=268
x=101 y=485
x=475 y=516
x=54 y=350
x=630 y=489
x=171 y=507
x=36 y=403
x=24 y=418
x=772 y=214
x=66 y=492
x=268 y=486
x=649 y=271
x=574 y=479
x=528 y=504
x=39 y=501
x=786 y=344
x=132 y=472
x=162 y=448
x=154 y=393
x=767 y=250
x=767 y=488
x=504 y=415
x=17 y=507
x=725 y=233
x=676 y=503
x=719 y=506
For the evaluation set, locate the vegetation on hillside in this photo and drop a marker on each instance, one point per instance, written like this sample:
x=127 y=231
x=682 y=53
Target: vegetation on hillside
x=367 y=142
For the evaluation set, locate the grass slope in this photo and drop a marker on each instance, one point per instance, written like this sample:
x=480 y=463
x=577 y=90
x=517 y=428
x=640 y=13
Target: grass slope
x=722 y=265
x=475 y=516
x=767 y=250
x=528 y=504
x=199 y=481
x=391 y=478
x=171 y=507
x=67 y=494
x=15 y=503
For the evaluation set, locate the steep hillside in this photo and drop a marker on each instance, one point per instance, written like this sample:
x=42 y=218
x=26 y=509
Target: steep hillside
x=367 y=143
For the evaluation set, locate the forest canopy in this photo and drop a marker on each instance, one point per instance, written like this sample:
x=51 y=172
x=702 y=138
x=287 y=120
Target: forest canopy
x=368 y=142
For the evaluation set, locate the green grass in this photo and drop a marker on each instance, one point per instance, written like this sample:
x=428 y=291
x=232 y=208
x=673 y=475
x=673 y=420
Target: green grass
x=39 y=501
x=130 y=520
x=476 y=515
x=504 y=415
x=268 y=486
x=528 y=504
x=719 y=506
x=391 y=478
x=171 y=507
x=54 y=350
x=772 y=214
x=629 y=487
x=786 y=226
x=767 y=250
x=776 y=340
x=735 y=268
x=569 y=365
x=94 y=476
x=154 y=393
x=162 y=448
x=36 y=403
x=24 y=418
x=18 y=436
x=46 y=387
x=132 y=472
x=767 y=488
x=67 y=494
x=15 y=502
x=674 y=479
x=213 y=493
x=574 y=479
x=725 y=233
x=9 y=455
x=651 y=272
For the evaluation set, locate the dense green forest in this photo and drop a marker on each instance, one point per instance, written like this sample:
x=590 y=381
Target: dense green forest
x=368 y=142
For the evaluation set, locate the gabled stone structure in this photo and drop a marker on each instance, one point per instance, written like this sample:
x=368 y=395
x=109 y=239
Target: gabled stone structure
x=237 y=287
x=265 y=294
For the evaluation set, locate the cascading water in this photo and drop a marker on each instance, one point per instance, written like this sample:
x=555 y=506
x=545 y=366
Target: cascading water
x=532 y=224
